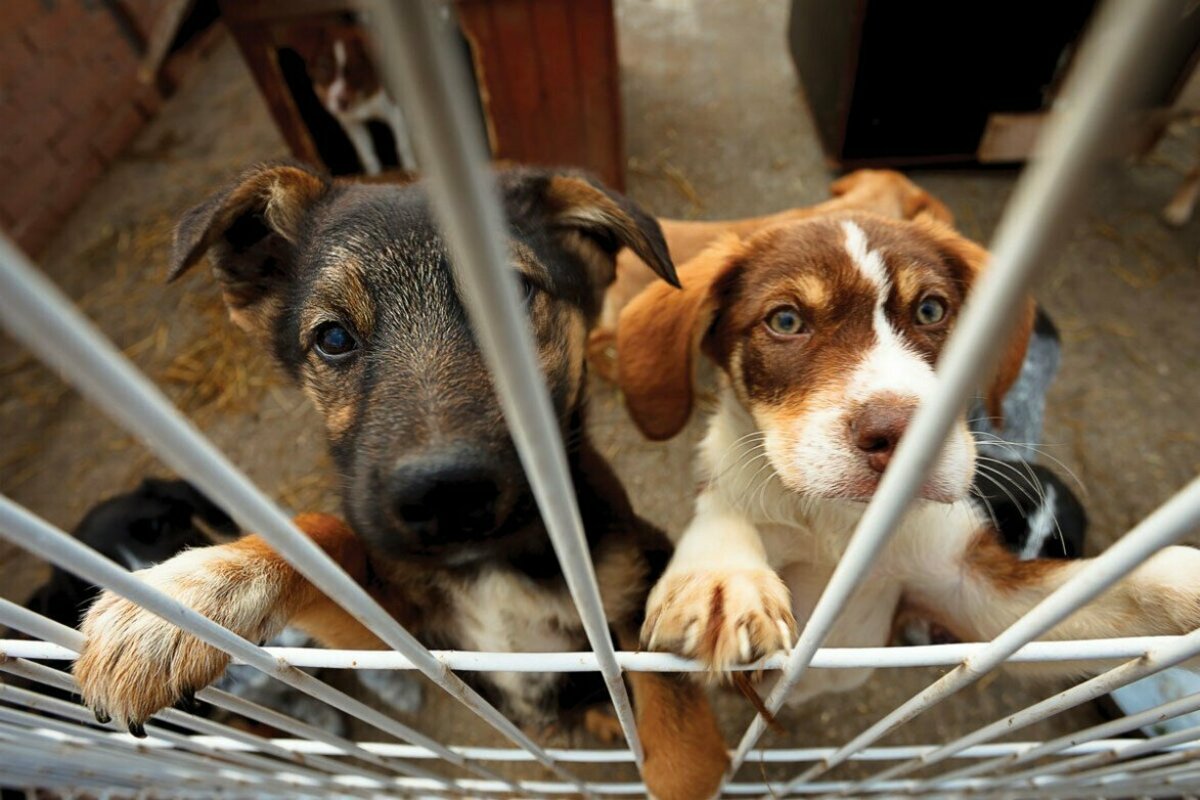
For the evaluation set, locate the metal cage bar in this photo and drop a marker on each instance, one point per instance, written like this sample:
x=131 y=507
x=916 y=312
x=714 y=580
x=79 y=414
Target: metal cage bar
x=433 y=89
x=1154 y=661
x=1159 y=713
x=431 y=86
x=939 y=655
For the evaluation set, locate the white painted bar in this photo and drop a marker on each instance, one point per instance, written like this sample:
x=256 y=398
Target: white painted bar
x=22 y=723
x=825 y=658
x=1061 y=745
x=425 y=70
x=1183 y=648
x=614 y=756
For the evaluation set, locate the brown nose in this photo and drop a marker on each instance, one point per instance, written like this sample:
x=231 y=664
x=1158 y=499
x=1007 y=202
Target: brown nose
x=876 y=429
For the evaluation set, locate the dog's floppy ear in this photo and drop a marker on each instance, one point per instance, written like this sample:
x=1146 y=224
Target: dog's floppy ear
x=659 y=335
x=589 y=220
x=970 y=260
x=251 y=227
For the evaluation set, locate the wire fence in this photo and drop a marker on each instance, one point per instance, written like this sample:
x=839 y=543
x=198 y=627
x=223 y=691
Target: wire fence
x=47 y=741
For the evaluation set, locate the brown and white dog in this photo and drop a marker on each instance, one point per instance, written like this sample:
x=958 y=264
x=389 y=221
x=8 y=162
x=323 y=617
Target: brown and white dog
x=826 y=331
x=347 y=84
x=349 y=286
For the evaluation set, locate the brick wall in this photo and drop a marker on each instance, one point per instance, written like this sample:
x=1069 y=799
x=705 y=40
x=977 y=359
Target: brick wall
x=70 y=101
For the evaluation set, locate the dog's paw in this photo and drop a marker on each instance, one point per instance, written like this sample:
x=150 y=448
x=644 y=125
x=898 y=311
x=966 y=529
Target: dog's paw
x=721 y=617
x=134 y=663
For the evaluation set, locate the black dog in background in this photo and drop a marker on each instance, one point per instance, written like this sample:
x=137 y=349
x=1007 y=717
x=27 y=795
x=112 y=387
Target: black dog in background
x=137 y=529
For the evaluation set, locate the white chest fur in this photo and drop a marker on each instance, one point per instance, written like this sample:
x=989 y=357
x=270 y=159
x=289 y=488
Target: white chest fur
x=504 y=611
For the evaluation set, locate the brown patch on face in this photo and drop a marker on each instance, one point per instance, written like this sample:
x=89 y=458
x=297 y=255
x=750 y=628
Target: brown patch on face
x=805 y=267
x=969 y=260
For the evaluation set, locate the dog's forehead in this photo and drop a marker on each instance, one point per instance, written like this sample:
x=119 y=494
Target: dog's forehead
x=844 y=261
x=386 y=228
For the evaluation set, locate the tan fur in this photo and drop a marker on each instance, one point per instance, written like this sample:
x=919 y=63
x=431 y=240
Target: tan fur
x=134 y=663
x=720 y=616
x=338 y=420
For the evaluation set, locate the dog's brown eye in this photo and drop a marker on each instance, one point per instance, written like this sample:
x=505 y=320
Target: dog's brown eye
x=931 y=310
x=786 y=321
x=334 y=342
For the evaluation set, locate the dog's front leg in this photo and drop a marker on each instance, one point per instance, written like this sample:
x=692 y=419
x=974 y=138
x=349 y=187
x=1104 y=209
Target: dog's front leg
x=404 y=145
x=983 y=588
x=719 y=600
x=364 y=146
x=134 y=663
x=685 y=752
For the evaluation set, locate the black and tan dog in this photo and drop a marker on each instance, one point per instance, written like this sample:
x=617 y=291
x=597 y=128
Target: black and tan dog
x=350 y=287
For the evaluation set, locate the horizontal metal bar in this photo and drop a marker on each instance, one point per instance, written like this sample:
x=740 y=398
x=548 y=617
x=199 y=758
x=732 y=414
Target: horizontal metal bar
x=1122 y=767
x=1168 y=523
x=60 y=753
x=825 y=658
x=289 y=762
x=117 y=747
x=611 y=756
x=1156 y=660
x=1141 y=719
x=425 y=70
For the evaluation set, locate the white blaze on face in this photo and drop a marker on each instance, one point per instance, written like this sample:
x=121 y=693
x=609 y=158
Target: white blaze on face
x=891 y=367
x=821 y=458
x=337 y=89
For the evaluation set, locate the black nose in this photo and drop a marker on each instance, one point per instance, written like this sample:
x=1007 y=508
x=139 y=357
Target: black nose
x=876 y=429
x=445 y=498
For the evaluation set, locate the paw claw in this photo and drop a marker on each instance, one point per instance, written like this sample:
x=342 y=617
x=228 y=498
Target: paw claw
x=744 y=644
x=137 y=730
x=785 y=636
x=102 y=716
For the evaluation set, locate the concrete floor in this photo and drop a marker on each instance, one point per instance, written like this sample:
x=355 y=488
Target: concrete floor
x=715 y=127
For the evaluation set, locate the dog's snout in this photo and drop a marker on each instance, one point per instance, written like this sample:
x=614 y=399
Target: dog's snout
x=443 y=500
x=876 y=429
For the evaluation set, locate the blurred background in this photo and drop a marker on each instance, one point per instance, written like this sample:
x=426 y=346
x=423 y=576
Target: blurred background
x=117 y=116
